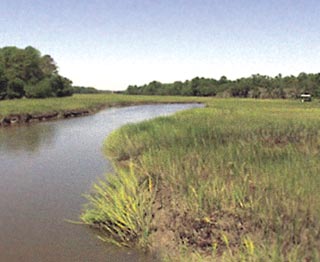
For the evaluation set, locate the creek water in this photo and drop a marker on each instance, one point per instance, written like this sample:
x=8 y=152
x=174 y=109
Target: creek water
x=45 y=169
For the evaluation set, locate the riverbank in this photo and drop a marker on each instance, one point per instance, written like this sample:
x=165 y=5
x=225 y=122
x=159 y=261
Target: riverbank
x=236 y=181
x=45 y=169
x=22 y=111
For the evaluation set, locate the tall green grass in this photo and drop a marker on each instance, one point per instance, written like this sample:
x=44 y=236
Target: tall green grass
x=121 y=208
x=236 y=181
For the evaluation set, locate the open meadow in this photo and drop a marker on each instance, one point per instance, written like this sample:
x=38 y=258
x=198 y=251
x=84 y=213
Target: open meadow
x=236 y=181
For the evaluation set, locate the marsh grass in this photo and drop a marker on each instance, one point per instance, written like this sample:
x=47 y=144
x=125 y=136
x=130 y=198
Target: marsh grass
x=236 y=181
x=120 y=207
x=81 y=101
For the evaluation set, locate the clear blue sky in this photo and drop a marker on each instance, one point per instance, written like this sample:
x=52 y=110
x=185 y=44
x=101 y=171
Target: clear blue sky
x=111 y=44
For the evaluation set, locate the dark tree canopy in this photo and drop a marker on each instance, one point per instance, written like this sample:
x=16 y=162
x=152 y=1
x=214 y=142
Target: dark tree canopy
x=255 y=86
x=26 y=73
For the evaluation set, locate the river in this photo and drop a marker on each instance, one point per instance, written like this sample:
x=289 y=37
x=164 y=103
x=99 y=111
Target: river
x=45 y=169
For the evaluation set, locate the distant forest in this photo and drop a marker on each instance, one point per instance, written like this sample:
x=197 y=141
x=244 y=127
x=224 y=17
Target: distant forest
x=87 y=90
x=256 y=86
x=27 y=73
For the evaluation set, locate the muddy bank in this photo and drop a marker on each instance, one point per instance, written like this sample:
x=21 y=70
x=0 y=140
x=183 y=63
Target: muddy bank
x=45 y=170
x=25 y=118
x=16 y=119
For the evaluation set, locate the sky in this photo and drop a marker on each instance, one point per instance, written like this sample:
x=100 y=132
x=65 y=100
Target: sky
x=112 y=44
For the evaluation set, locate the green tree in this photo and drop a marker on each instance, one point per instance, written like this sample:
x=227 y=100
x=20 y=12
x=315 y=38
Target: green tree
x=241 y=88
x=48 y=66
x=176 y=88
x=195 y=84
x=15 y=89
x=223 y=80
x=132 y=90
x=31 y=71
x=153 y=88
x=60 y=86
x=3 y=84
x=21 y=63
x=27 y=72
x=42 y=89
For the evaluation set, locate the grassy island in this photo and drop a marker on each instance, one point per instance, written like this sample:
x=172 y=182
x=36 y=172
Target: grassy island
x=235 y=181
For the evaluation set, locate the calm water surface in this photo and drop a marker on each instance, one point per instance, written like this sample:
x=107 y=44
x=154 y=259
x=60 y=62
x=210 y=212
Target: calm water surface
x=44 y=170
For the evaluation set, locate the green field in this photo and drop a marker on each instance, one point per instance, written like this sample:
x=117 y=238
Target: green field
x=236 y=181
x=91 y=102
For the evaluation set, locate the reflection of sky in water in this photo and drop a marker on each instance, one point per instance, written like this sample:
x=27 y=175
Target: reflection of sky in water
x=45 y=169
x=26 y=138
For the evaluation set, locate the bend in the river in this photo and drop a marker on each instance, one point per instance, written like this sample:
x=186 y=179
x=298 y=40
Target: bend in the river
x=45 y=169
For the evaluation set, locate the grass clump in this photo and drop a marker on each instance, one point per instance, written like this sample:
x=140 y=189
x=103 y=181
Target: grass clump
x=120 y=207
x=235 y=181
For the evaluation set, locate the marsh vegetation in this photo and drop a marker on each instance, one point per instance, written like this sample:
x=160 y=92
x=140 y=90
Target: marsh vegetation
x=45 y=169
x=34 y=110
x=236 y=181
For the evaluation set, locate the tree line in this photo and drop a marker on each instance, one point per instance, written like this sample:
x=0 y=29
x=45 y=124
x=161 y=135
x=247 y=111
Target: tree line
x=27 y=73
x=88 y=90
x=255 y=86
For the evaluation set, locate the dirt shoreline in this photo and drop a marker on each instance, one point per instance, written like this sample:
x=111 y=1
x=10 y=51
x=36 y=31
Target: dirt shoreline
x=18 y=119
x=26 y=118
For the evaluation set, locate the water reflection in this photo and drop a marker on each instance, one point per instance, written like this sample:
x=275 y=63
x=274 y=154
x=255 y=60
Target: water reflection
x=26 y=138
x=44 y=170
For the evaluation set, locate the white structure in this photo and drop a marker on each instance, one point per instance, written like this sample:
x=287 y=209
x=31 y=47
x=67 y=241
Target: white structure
x=305 y=98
